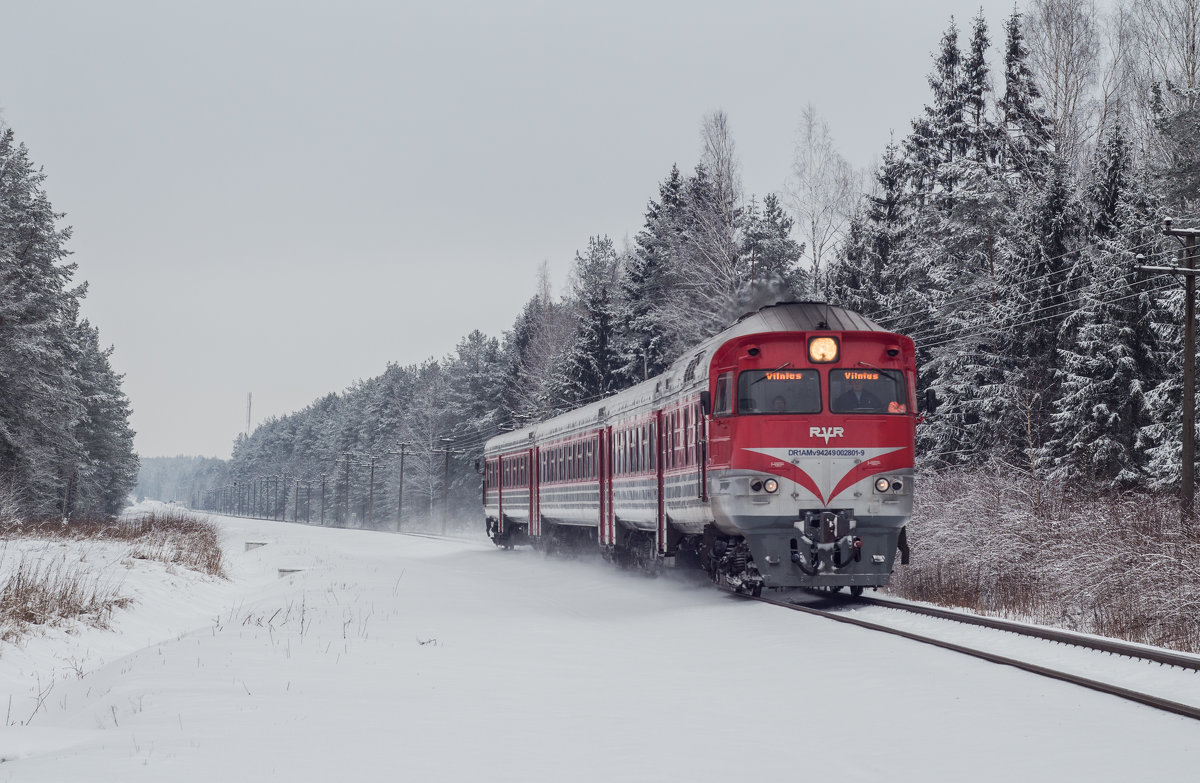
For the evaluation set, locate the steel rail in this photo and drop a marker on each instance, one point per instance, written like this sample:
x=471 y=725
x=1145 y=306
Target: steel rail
x=1113 y=646
x=1185 y=710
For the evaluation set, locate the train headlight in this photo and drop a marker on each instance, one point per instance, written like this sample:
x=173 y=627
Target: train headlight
x=771 y=485
x=883 y=484
x=822 y=350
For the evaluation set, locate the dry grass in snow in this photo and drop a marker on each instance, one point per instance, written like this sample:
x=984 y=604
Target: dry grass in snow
x=1003 y=543
x=45 y=582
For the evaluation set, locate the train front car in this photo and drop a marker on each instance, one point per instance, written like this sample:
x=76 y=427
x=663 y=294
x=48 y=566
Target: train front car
x=810 y=448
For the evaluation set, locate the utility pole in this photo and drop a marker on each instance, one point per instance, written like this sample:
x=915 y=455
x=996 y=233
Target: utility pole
x=346 y=518
x=1188 y=238
x=446 y=451
x=322 y=500
x=400 y=490
x=371 y=497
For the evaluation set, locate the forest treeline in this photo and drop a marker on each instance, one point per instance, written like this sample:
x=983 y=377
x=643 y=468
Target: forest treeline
x=66 y=448
x=1000 y=232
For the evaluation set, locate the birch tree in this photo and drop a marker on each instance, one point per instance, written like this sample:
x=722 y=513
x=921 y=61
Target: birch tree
x=823 y=189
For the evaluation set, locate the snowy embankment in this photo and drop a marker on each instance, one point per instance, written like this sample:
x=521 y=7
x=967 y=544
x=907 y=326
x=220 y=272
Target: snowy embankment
x=411 y=658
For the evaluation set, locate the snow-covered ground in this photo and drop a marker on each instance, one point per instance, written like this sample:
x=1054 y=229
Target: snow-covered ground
x=398 y=657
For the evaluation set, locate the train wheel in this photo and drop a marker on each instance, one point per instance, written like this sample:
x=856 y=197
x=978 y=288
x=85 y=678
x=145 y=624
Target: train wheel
x=856 y=590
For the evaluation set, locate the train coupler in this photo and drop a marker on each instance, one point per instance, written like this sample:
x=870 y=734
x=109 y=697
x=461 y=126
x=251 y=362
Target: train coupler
x=834 y=546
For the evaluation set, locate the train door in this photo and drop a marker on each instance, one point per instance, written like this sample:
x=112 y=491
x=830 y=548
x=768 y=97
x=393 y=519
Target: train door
x=657 y=464
x=718 y=444
x=535 y=520
x=499 y=494
x=701 y=423
x=607 y=533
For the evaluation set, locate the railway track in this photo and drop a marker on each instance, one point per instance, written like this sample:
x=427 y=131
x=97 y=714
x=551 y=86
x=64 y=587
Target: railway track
x=841 y=610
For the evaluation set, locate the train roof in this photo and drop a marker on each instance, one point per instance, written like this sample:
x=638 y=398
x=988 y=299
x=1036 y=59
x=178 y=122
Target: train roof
x=681 y=378
x=800 y=317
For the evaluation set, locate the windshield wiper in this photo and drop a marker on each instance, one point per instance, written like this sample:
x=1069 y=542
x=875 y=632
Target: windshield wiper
x=777 y=369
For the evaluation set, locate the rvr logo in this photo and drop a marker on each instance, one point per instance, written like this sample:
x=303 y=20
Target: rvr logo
x=826 y=433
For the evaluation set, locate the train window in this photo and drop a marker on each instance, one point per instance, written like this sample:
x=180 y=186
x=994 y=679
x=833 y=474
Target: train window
x=723 y=402
x=867 y=391
x=687 y=436
x=669 y=441
x=779 y=391
x=678 y=440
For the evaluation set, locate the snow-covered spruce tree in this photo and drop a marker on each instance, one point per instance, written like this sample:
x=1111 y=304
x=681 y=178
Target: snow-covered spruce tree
x=1027 y=130
x=590 y=365
x=474 y=403
x=938 y=134
x=474 y=398
x=40 y=397
x=60 y=405
x=532 y=352
x=964 y=225
x=933 y=225
x=981 y=139
x=1111 y=356
x=1040 y=287
x=868 y=271
x=109 y=467
x=770 y=256
x=707 y=268
x=646 y=279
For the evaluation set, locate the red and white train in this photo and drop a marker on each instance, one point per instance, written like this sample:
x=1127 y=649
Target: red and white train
x=778 y=453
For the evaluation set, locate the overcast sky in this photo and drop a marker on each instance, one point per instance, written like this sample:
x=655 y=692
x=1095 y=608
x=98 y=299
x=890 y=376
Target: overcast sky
x=283 y=197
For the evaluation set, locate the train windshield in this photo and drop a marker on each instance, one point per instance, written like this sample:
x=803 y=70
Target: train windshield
x=866 y=391
x=779 y=391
